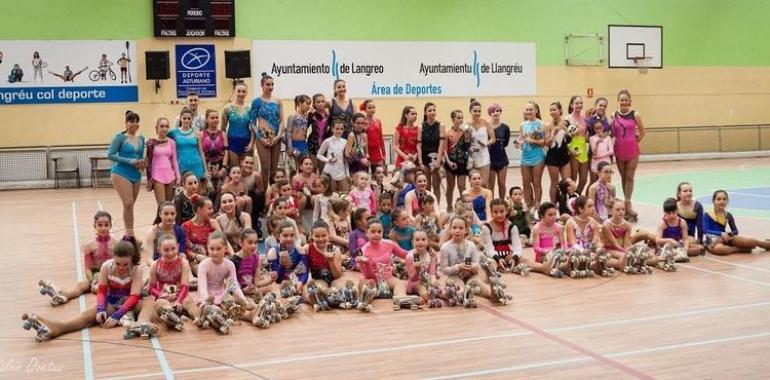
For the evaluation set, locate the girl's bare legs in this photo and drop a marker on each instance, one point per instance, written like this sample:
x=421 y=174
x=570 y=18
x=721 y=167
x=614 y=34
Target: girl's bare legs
x=526 y=183
x=435 y=187
x=450 y=188
x=553 y=174
x=484 y=170
x=128 y=192
x=461 y=184
x=265 y=154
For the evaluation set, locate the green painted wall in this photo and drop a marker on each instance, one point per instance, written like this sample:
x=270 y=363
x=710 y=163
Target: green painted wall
x=695 y=32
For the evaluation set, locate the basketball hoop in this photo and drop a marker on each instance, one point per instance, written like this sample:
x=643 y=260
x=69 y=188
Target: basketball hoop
x=642 y=63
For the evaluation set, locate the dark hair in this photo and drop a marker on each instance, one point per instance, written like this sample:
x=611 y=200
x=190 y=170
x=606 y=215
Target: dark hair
x=184 y=111
x=358 y=115
x=276 y=172
x=510 y=191
x=669 y=205
x=192 y=93
x=563 y=195
x=273 y=221
x=198 y=201
x=454 y=113
x=624 y=91
x=558 y=105
x=281 y=183
x=457 y=217
x=356 y=215
x=405 y=112
x=427 y=199
x=265 y=78
x=571 y=106
x=299 y=99
x=599 y=99
x=237 y=209
x=127 y=248
x=132 y=117
x=246 y=232
x=280 y=200
x=334 y=86
x=425 y=110
x=320 y=223
x=372 y=221
x=160 y=208
x=187 y=175
x=497 y=202
x=386 y=195
x=580 y=203
x=217 y=235
x=537 y=109
x=544 y=207
x=338 y=205
x=102 y=214
x=284 y=225
x=473 y=103
x=679 y=188
x=601 y=166
x=316 y=96
x=714 y=197
x=164 y=237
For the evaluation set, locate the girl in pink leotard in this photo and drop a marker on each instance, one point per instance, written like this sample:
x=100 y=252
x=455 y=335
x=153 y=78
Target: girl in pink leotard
x=628 y=130
x=421 y=258
x=162 y=164
x=379 y=252
x=547 y=235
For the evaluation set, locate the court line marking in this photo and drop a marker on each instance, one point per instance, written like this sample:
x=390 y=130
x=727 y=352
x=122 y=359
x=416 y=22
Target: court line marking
x=88 y=365
x=569 y=344
x=611 y=355
x=164 y=366
x=726 y=275
x=450 y=341
x=737 y=265
x=750 y=195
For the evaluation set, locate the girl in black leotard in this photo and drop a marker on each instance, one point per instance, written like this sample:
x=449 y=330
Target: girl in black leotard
x=431 y=139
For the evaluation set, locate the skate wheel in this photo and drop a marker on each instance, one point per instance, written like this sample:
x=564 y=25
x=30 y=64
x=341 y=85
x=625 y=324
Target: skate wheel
x=26 y=325
x=42 y=291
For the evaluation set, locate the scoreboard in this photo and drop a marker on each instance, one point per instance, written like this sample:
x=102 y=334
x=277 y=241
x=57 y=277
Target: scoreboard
x=194 y=18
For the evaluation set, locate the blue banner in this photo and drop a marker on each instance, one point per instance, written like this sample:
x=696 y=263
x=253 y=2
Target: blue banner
x=196 y=71
x=84 y=94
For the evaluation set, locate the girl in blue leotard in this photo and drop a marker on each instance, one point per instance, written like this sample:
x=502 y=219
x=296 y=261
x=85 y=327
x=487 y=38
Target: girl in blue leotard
x=189 y=148
x=266 y=116
x=532 y=141
x=479 y=196
x=127 y=153
x=235 y=122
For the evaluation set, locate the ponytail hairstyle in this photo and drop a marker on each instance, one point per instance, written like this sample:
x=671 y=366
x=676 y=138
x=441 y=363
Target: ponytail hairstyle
x=132 y=116
x=102 y=214
x=425 y=110
x=161 y=206
x=334 y=86
x=198 y=201
x=128 y=248
x=218 y=235
x=299 y=99
x=679 y=188
x=571 y=107
x=404 y=113
x=557 y=104
x=358 y=115
x=563 y=193
x=355 y=216
x=537 y=109
x=580 y=204
x=184 y=111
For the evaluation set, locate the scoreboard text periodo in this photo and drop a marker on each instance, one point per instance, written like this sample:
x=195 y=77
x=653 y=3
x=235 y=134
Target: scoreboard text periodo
x=194 y=18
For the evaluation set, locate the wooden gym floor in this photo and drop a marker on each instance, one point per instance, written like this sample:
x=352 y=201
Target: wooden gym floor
x=708 y=320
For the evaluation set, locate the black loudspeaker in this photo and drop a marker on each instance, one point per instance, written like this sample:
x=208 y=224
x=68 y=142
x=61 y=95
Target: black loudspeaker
x=156 y=65
x=237 y=64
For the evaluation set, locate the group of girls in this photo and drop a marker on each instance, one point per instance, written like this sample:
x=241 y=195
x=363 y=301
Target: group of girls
x=331 y=211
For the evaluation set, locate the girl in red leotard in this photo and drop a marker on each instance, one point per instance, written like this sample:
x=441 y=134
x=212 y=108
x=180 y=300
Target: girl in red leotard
x=405 y=139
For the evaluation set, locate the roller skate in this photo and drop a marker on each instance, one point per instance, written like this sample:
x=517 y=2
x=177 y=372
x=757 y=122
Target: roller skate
x=291 y=306
x=453 y=294
x=498 y=290
x=48 y=288
x=471 y=289
x=434 y=292
x=603 y=268
x=32 y=322
x=383 y=289
x=144 y=330
x=365 y=298
x=127 y=319
x=232 y=308
x=399 y=269
x=486 y=264
x=581 y=264
x=637 y=258
x=521 y=269
x=168 y=315
x=289 y=287
x=349 y=296
x=556 y=257
x=211 y=315
x=265 y=309
x=193 y=285
x=334 y=298
x=407 y=302
x=316 y=297
x=666 y=258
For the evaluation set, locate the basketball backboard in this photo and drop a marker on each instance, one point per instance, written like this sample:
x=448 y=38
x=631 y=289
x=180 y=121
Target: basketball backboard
x=630 y=43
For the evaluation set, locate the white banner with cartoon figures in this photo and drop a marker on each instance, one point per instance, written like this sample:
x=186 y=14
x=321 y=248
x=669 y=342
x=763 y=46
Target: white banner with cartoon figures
x=40 y=72
x=397 y=69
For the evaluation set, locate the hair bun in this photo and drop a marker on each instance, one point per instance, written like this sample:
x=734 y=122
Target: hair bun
x=194 y=198
x=473 y=100
x=128 y=112
x=264 y=74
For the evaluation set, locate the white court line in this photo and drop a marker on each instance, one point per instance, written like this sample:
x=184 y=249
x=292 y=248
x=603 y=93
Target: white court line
x=726 y=275
x=448 y=342
x=611 y=355
x=88 y=365
x=750 y=195
x=737 y=265
x=164 y=366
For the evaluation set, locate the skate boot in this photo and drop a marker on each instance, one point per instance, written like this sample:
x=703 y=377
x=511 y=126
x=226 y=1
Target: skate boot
x=31 y=321
x=168 y=315
x=471 y=289
x=316 y=297
x=407 y=302
x=498 y=291
x=368 y=293
x=144 y=330
x=48 y=288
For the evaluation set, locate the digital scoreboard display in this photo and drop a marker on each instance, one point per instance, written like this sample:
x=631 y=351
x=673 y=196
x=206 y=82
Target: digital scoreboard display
x=194 y=18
